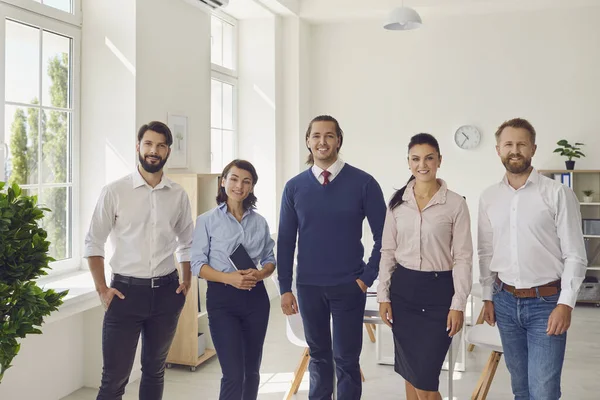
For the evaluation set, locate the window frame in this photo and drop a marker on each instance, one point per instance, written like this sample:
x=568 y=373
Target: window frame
x=234 y=128
x=48 y=11
x=232 y=21
x=50 y=24
x=230 y=77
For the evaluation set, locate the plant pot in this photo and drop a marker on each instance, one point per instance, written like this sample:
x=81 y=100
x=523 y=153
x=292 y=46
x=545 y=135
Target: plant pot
x=570 y=165
x=587 y=199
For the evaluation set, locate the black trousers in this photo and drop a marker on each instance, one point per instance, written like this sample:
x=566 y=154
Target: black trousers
x=238 y=322
x=153 y=312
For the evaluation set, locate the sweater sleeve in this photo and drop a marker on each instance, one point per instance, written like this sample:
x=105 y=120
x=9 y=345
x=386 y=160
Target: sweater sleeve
x=286 y=240
x=375 y=209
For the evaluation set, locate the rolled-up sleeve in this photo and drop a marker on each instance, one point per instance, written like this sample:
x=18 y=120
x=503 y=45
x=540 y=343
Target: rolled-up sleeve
x=387 y=264
x=102 y=223
x=462 y=250
x=184 y=230
x=200 y=250
x=267 y=255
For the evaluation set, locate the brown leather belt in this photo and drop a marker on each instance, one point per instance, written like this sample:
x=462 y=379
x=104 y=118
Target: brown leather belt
x=549 y=289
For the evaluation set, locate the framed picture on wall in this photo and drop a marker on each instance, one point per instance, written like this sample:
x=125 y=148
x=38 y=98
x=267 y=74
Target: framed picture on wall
x=179 y=149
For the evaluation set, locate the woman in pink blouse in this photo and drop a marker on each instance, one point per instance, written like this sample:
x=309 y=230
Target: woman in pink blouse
x=425 y=270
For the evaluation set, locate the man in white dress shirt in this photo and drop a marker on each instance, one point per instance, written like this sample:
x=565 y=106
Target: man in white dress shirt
x=148 y=218
x=532 y=260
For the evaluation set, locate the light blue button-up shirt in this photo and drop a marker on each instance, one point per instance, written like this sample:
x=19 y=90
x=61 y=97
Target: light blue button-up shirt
x=217 y=233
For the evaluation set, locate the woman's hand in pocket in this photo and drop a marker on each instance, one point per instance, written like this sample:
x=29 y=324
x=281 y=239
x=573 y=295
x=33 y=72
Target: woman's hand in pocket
x=385 y=312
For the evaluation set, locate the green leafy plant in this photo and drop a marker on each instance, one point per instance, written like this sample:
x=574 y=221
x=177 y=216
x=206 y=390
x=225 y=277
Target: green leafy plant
x=23 y=258
x=588 y=193
x=569 y=150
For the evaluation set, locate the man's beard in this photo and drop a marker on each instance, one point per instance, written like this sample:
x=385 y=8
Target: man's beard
x=516 y=168
x=152 y=168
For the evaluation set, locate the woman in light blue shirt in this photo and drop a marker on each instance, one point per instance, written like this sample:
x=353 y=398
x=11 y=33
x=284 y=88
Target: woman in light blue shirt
x=236 y=300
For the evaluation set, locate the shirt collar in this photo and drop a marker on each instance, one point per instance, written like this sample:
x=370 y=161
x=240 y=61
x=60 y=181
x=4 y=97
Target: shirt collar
x=533 y=179
x=223 y=208
x=138 y=180
x=438 y=198
x=334 y=168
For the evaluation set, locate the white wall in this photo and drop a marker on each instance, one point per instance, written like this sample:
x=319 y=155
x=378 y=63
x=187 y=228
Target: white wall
x=478 y=69
x=295 y=57
x=108 y=116
x=173 y=73
x=257 y=112
x=48 y=366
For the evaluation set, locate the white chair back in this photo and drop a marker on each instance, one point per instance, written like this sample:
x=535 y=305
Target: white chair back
x=485 y=335
x=294 y=328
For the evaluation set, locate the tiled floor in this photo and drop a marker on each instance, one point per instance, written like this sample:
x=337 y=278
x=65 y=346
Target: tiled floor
x=581 y=376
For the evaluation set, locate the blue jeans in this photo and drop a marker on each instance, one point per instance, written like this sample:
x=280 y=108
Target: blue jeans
x=533 y=358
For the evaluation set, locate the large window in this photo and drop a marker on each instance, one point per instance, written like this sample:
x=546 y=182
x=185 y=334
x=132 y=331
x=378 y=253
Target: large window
x=223 y=92
x=40 y=119
x=63 y=5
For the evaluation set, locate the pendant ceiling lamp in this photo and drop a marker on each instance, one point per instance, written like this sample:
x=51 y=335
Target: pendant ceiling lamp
x=403 y=19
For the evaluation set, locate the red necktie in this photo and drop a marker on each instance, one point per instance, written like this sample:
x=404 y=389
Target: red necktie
x=325 y=177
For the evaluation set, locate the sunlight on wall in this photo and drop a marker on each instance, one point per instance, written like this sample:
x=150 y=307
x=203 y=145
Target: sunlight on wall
x=119 y=55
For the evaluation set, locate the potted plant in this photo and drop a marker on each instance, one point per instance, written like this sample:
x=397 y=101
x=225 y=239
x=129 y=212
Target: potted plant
x=570 y=151
x=23 y=258
x=587 y=196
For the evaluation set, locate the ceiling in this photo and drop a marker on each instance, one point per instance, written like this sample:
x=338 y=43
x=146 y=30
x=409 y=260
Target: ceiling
x=319 y=11
x=246 y=9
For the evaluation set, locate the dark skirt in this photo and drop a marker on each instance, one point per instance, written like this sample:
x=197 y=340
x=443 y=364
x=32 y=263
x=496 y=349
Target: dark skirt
x=420 y=305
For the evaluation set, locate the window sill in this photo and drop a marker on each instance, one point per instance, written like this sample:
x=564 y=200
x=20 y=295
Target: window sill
x=82 y=294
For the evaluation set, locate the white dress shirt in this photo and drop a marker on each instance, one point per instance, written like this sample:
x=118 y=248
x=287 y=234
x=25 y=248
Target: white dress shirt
x=334 y=169
x=531 y=236
x=146 y=226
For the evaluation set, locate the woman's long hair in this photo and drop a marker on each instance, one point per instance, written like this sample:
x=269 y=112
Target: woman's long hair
x=421 y=138
x=250 y=201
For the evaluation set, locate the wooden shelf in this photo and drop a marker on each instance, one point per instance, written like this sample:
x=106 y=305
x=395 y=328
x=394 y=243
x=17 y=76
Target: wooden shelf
x=592 y=236
x=208 y=354
x=590 y=204
x=201 y=190
x=594 y=268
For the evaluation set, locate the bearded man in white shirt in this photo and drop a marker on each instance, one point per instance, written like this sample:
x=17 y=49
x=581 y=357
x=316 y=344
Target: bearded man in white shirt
x=148 y=218
x=532 y=261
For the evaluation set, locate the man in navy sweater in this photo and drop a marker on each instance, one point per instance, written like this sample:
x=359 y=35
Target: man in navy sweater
x=325 y=206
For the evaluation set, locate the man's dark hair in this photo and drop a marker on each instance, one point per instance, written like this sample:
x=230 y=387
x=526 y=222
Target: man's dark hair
x=324 y=118
x=157 y=127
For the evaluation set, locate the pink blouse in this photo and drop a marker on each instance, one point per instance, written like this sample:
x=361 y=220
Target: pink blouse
x=438 y=238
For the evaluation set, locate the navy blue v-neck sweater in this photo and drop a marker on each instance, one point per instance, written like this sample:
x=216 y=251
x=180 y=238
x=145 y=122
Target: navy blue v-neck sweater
x=329 y=221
